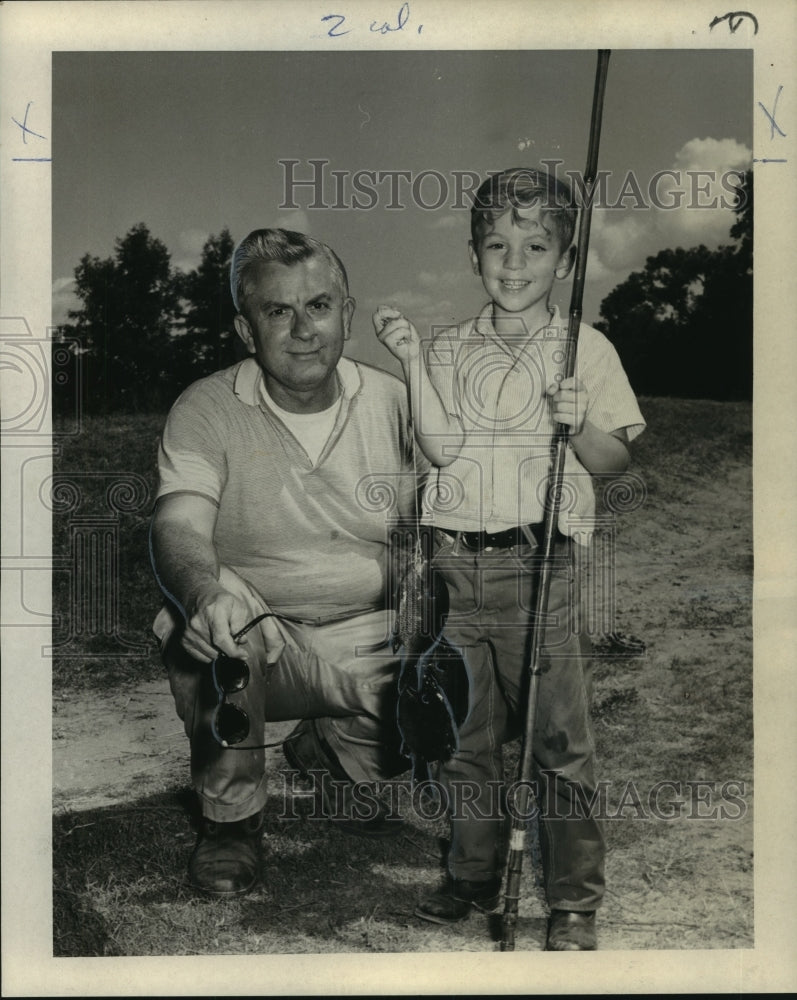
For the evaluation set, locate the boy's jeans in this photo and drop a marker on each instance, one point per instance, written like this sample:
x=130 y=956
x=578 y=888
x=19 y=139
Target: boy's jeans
x=341 y=674
x=492 y=597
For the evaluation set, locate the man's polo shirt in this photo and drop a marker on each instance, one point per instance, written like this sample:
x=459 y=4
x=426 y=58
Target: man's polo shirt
x=311 y=538
x=497 y=389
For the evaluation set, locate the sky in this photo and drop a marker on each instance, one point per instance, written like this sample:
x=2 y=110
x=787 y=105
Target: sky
x=190 y=142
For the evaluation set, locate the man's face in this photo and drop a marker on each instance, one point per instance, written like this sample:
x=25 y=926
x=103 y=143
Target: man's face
x=296 y=321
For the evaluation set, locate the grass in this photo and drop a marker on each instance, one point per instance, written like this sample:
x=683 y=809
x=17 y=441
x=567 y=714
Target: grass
x=680 y=711
x=118 y=449
x=314 y=895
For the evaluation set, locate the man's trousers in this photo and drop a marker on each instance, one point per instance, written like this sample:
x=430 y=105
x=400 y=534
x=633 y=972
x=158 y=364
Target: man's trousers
x=341 y=675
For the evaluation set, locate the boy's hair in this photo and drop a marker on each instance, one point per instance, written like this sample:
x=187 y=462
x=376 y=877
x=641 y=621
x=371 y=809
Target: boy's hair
x=523 y=187
x=284 y=247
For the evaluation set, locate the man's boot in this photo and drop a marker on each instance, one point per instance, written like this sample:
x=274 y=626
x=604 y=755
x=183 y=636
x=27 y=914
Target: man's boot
x=226 y=859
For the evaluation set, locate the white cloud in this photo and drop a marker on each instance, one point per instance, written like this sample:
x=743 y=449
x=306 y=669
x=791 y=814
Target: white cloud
x=296 y=219
x=618 y=243
x=410 y=302
x=713 y=154
x=698 y=193
x=63 y=299
x=445 y=222
x=60 y=284
x=435 y=298
x=442 y=279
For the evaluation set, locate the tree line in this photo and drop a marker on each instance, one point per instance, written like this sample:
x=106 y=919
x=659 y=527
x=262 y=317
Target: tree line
x=145 y=330
x=683 y=325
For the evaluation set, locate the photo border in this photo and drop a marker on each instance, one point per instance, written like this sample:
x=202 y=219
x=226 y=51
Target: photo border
x=29 y=33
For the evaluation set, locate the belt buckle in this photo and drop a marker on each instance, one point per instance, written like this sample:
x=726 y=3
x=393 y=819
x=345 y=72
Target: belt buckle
x=473 y=540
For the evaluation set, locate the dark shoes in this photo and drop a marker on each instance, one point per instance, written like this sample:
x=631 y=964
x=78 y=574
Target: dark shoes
x=571 y=931
x=567 y=930
x=455 y=899
x=226 y=859
x=361 y=815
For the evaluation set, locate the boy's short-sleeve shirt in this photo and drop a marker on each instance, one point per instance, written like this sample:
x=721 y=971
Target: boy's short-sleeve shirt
x=311 y=537
x=497 y=388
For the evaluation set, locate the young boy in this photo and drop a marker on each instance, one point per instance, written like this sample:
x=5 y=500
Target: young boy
x=485 y=400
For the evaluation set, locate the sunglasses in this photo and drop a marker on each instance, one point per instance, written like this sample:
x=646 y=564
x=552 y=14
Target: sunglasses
x=230 y=724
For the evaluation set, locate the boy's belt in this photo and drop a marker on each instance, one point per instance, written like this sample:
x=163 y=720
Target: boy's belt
x=479 y=541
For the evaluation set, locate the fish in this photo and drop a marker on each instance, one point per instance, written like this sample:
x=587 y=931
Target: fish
x=433 y=685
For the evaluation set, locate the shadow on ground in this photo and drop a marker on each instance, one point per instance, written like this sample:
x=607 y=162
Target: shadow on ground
x=121 y=887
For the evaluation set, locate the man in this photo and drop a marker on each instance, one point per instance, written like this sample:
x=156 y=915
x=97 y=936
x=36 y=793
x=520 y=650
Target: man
x=264 y=509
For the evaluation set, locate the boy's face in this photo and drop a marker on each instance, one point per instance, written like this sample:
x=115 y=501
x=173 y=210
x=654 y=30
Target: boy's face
x=518 y=264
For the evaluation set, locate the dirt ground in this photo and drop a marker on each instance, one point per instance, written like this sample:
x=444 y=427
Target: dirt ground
x=692 y=891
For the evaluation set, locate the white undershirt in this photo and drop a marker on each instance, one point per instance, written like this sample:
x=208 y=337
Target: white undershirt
x=311 y=430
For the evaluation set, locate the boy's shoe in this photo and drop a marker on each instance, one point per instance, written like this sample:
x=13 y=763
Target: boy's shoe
x=571 y=931
x=305 y=752
x=226 y=858
x=454 y=900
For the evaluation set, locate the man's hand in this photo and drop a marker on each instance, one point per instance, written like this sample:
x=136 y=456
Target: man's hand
x=397 y=334
x=218 y=617
x=569 y=403
x=187 y=568
x=211 y=624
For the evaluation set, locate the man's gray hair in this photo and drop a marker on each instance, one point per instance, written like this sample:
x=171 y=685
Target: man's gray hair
x=283 y=247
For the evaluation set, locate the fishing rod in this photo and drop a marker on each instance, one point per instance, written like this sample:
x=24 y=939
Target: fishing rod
x=517 y=832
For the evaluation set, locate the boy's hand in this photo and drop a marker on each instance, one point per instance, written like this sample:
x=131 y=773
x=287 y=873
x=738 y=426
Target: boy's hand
x=397 y=334
x=569 y=401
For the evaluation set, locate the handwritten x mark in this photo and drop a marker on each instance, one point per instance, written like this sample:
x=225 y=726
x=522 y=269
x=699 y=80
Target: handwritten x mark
x=773 y=125
x=24 y=126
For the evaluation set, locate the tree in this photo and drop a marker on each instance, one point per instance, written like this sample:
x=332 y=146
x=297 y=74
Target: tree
x=124 y=328
x=208 y=341
x=683 y=326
